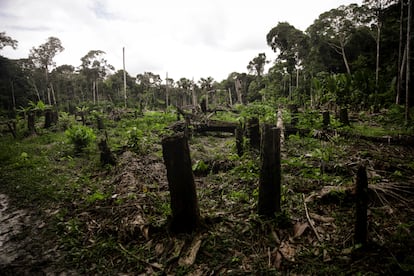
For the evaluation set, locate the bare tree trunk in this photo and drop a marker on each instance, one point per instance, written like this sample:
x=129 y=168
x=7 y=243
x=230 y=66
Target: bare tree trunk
x=253 y=132
x=230 y=99
x=377 y=63
x=166 y=91
x=400 y=47
x=238 y=87
x=270 y=172
x=123 y=62
x=31 y=120
x=13 y=97
x=348 y=70
x=361 y=224
x=407 y=71
x=184 y=205
x=53 y=93
x=93 y=92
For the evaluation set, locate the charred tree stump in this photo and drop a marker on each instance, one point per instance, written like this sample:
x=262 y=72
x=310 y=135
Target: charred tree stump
x=203 y=106
x=239 y=140
x=107 y=157
x=100 y=123
x=270 y=172
x=31 y=120
x=48 y=118
x=361 y=224
x=184 y=205
x=293 y=114
x=253 y=132
x=326 y=119
x=343 y=116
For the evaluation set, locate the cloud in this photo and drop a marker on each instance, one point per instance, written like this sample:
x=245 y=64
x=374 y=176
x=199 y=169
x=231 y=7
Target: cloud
x=187 y=38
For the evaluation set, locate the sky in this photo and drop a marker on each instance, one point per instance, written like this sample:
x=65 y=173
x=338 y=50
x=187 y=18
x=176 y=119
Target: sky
x=186 y=38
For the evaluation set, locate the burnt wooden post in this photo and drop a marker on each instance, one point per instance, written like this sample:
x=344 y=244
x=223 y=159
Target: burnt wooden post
x=239 y=140
x=100 y=122
x=31 y=120
x=326 y=119
x=184 y=205
x=270 y=172
x=361 y=224
x=293 y=114
x=203 y=105
x=48 y=118
x=107 y=157
x=253 y=132
x=343 y=116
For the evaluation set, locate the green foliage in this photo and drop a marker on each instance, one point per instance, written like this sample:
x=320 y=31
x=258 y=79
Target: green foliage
x=137 y=141
x=80 y=136
x=264 y=112
x=96 y=196
x=200 y=166
x=65 y=120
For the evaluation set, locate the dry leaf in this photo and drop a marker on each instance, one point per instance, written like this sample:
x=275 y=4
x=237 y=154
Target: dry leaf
x=287 y=251
x=159 y=249
x=299 y=228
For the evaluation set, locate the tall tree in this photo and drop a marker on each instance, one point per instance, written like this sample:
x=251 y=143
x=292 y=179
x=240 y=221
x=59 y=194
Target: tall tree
x=95 y=67
x=206 y=85
x=257 y=65
x=374 y=14
x=7 y=41
x=42 y=57
x=290 y=43
x=408 y=72
x=336 y=28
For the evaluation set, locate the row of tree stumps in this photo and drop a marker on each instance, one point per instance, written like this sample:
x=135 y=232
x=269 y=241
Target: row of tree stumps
x=184 y=203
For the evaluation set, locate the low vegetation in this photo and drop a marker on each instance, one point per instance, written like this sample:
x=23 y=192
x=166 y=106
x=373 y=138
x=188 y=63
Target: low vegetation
x=91 y=219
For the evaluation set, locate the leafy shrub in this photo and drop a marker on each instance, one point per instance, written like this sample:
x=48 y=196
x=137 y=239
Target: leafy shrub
x=137 y=140
x=80 y=136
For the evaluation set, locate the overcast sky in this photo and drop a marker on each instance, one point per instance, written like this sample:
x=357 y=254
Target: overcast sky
x=186 y=38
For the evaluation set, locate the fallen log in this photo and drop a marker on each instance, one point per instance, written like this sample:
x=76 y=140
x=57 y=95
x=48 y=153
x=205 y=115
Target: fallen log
x=216 y=126
x=402 y=140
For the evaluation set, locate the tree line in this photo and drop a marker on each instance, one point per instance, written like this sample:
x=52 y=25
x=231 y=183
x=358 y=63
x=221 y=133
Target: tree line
x=355 y=56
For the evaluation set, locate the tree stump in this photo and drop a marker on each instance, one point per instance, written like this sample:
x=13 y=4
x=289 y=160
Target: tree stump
x=107 y=157
x=326 y=119
x=361 y=224
x=203 y=106
x=100 y=123
x=184 y=205
x=293 y=114
x=48 y=118
x=343 y=116
x=270 y=172
x=31 y=119
x=253 y=132
x=239 y=140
